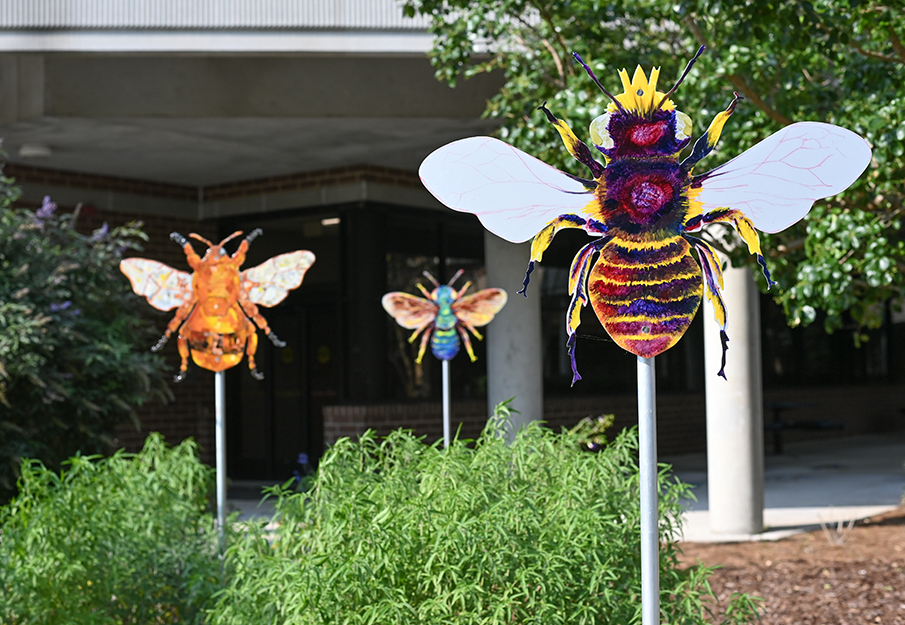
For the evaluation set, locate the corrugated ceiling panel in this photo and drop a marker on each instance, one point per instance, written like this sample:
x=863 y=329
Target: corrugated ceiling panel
x=206 y=14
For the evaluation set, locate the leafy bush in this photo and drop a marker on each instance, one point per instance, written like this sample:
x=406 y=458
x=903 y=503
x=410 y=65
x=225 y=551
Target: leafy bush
x=74 y=361
x=119 y=540
x=396 y=531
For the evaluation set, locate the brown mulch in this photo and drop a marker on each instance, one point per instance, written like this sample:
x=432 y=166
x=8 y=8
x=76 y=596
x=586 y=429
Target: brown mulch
x=817 y=578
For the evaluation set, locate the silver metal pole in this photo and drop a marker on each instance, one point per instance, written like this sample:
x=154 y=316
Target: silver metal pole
x=446 y=434
x=220 y=435
x=647 y=462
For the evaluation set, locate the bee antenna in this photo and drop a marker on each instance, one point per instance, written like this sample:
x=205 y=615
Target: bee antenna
x=455 y=277
x=235 y=234
x=682 y=77
x=597 y=82
x=198 y=237
x=431 y=278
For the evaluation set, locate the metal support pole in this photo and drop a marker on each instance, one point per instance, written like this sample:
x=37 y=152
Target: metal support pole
x=446 y=434
x=220 y=435
x=647 y=464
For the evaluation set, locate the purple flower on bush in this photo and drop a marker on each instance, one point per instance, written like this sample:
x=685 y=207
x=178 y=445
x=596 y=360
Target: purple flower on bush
x=57 y=307
x=47 y=209
x=100 y=233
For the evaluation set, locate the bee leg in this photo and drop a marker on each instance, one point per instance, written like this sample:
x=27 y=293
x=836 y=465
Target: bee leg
x=743 y=227
x=528 y=272
x=183 y=346
x=543 y=239
x=578 y=278
x=251 y=347
x=705 y=144
x=423 y=346
x=251 y=310
x=160 y=342
x=576 y=147
x=467 y=340
x=181 y=313
x=713 y=281
x=193 y=258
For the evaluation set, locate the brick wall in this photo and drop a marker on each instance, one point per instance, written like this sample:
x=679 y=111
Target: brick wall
x=78 y=180
x=305 y=180
x=312 y=179
x=681 y=418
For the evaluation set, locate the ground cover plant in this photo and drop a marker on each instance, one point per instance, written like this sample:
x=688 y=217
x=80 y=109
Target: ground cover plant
x=125 y=539
x=398 y=531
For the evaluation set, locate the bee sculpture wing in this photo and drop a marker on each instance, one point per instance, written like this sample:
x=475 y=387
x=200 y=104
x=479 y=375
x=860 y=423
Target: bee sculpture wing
x=513 y=194
x=409 y=311
x=478 y=309
x=775 y=183
x=269 y=283
x=165 y=288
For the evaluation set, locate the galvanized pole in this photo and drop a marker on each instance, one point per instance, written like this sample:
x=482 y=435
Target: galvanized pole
x=446 y=434
x=647 y=463
x=220 y=436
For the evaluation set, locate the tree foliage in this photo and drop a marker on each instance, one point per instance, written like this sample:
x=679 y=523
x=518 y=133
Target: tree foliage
x=839 y=61
x=73 y=344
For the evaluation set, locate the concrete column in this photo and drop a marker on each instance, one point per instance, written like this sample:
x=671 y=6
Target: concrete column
x=514 y=337
x=735 y=419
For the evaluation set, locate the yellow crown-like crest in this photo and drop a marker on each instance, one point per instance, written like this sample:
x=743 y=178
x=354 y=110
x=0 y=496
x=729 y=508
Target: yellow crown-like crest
x=640 y=94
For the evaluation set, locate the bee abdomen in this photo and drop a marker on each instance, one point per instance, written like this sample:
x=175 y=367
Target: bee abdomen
x=445 y=343
x=646 y=295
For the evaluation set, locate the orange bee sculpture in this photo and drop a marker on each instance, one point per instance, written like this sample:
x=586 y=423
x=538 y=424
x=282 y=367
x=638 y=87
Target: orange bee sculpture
x=215 y=305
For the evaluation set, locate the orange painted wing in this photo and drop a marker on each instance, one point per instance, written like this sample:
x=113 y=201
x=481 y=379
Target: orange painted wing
x=409 y=311
x=165 y=288
x=269 y=283
x=478 y=309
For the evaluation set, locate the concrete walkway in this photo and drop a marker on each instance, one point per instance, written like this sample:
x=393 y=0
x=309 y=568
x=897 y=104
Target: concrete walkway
x=827 y=481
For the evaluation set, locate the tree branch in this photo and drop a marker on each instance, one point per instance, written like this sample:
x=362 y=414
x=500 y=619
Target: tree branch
x=564 y=48
x=557 y=60
x=897 y=45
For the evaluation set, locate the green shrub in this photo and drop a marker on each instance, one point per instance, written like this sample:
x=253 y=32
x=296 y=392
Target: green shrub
x=118 y=540
x=74 y=358
x=396 y=531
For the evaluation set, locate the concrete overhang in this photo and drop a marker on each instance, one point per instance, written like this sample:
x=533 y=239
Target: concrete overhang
x=201 y=120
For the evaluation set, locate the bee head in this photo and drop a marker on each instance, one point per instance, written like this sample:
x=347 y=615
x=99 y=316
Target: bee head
x=641 y=119
x=215 y=250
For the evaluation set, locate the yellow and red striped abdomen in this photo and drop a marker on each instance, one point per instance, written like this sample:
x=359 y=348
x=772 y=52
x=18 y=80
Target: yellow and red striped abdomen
x=646 y=294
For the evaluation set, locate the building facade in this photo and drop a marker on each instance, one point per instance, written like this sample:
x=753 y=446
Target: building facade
x=309 y=120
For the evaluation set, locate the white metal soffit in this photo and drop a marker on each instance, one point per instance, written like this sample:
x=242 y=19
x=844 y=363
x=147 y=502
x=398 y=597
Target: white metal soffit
x=211 y=26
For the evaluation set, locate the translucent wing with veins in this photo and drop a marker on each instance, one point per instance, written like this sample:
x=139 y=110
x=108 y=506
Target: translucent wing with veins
x=479 y=309
x=775 y=183
x=409 y=311
x=165 y=288
x=269 y=283
x=513 y=194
